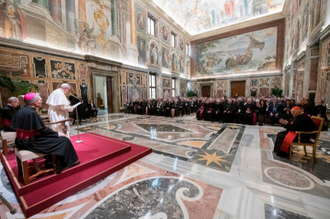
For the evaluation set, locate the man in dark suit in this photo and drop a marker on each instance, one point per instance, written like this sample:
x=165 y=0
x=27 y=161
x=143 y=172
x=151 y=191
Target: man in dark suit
x=92 y=110
x=8 y=113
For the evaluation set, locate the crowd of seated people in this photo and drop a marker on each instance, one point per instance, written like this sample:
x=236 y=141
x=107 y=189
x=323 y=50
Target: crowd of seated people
x=162 y=107
x=244 y=110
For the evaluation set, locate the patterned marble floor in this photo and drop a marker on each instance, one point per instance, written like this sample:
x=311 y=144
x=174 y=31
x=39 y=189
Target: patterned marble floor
x=198 y=169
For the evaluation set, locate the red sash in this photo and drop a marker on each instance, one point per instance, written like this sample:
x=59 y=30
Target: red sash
x=6 y=122
x=285 y=147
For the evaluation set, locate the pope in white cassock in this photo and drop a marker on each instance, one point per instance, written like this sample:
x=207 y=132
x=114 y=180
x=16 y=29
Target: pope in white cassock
x=59 y=107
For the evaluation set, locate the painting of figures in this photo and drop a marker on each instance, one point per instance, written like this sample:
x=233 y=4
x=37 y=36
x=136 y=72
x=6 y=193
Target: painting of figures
x=142 y=51
x=174 y=62
x=248 y=52
x=12 y=21
x=153 y=48
x=197 y=16
x=165 y=58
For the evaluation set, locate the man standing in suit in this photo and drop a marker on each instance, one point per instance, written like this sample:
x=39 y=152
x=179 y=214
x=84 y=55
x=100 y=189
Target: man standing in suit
x=92 y=110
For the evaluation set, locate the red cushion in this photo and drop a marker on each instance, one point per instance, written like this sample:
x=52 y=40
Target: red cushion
x=317 y=122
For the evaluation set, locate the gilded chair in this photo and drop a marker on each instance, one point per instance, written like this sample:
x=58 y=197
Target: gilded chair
x=318 y=121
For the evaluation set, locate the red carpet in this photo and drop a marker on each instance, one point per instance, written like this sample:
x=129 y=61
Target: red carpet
x=100 y=156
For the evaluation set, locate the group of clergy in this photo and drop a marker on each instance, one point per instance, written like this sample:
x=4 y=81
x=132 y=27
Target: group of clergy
x=33 y=135
x=169 y=107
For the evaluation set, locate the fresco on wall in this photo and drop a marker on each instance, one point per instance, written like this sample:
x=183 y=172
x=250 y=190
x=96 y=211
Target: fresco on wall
x=165 y=58
x=304 y=23
x=153 y=49
x=165 y=33
x=253 y=51
x=203 y=15
x=12 y=21
x=181 y=64
x=174 y=62
x=181 y=44
x=142 y=59
x=87 y=40
x=141 y=21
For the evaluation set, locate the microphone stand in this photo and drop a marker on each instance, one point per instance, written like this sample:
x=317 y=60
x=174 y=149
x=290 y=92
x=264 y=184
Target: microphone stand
x=78 y=141
x=11 y=209
x=77 y=121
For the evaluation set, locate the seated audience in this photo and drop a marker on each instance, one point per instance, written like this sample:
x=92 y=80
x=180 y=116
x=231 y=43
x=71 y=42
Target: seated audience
x=321 y=111
x=33 y=135
x=92 y=110
x=286 y=110
x=8 y=112
x=262 y=112
x=300 y=122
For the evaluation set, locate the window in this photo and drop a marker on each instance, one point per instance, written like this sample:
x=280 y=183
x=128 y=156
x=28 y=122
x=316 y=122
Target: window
x=151 y=26
x=173 y=87
x=187 y=49
x=152 y=86
x=172 y=39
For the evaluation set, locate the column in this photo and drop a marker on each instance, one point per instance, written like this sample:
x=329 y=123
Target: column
x=133 y=30
x=70 y=16
x=55 y=10
x=307 y=73
x=114 y=18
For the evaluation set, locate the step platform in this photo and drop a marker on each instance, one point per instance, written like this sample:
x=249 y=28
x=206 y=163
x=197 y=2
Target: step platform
x=99 y=157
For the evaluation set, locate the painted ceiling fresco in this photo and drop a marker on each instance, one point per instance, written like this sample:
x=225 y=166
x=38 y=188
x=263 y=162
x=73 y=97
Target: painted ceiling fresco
x=249 y=52
x=197 y=16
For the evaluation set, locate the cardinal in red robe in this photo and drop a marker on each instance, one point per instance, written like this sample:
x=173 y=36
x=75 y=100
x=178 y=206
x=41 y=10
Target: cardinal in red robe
x=299 y=122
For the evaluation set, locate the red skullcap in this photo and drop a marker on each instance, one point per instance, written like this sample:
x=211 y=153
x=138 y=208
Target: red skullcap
x=29 y=96
x=296 y=108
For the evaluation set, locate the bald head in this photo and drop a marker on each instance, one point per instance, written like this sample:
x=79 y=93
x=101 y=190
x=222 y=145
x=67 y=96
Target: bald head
x=296 y=111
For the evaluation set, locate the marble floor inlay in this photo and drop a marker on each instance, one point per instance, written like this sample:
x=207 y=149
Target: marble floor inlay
x=212 y=146
x=198 y=170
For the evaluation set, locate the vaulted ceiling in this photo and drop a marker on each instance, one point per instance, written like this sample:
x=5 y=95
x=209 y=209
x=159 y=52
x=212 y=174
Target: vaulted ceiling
x=199 y=16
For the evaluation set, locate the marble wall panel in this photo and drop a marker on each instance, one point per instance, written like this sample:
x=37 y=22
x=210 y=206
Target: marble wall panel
x=132 y=86
x=43 y=90
x=82 y=71
x=39 y=67
x=62 y=70
x=14 y=64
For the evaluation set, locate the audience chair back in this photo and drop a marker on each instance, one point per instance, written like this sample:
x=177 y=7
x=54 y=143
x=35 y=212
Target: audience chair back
x=318 y=121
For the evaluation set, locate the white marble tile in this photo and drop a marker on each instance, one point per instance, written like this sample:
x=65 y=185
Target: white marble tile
x=247 y=164
x=230 y=200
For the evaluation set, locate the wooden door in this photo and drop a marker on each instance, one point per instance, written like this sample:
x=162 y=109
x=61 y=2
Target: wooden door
x=206 y=91
x=237 y=88
x=109 y=95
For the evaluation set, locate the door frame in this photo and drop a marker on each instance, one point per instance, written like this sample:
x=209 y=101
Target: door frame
x=236 y=79
x=115 y=86
x=206 y=83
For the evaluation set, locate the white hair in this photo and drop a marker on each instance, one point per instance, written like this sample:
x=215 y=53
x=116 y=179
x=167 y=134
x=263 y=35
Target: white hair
x=12 y=99
x=65 y=85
